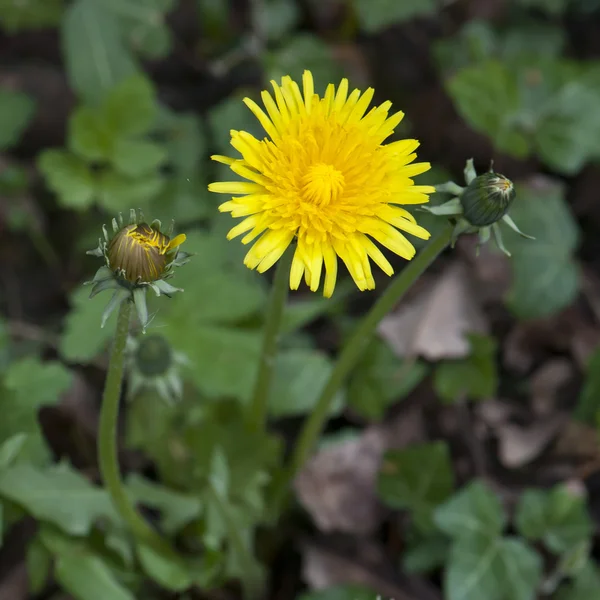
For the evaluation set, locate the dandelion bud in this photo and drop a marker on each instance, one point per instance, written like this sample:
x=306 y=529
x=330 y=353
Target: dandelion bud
x=153 y=356
x=487 y=199
x=480 y=206
x=139 y=253
x=154 y=365
x=136 y=256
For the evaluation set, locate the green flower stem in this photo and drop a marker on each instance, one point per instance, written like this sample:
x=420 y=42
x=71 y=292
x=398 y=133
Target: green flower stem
x=107 y=441
x=349 y=356
x=257 y=416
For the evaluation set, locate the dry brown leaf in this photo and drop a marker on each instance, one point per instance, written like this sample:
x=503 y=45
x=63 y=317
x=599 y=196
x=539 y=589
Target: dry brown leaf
x=518 y=445
x=337 y=486
x=546 y=384
x=494 y=413
x=15 y=586
x=434 y=325
x=364 y=564
x=578 y=441
x=530 y=342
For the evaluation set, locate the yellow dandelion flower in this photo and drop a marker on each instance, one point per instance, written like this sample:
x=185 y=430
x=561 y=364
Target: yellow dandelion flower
x=323 y=178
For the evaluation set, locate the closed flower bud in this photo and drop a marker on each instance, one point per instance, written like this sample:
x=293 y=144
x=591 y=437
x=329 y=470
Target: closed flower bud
x=479 y=207
x=153 y=356
x=136 y=256
x=153 y=364
x=139 y=253
x=487 y=199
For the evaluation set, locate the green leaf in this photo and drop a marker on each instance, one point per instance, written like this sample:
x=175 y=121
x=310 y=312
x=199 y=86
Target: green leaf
x=299 y=313
x=68 y=177
x=583 y=587
x=182 y=199
x=574 y=560
x=375 y=16
x=473 y=378
x=279 y=17
x=185 y=141
x=177 y=509
x=487 y=97
x=532 y=43
x=229 y=466
x=39 y=564
x=523 y=45
x=6 y=354
x=244 y=457
x=215 y=19
x=528 y=98
x=30 y=384
x=225 y=521
x=219 y=292
x=87 y=577
x=214 y=350
x=300 y=52
x=14 y=180
x=183 y=447
x=82 y=338
x=137 y=157
x=118 y=193
x=170 y=574
x=11 y=448
x=185 y=197
x=131 y=109
x=545 y=276
x=89 y=135
x=558 y=517
x=143 y=23
x=237 y=115
x=381 y=379
x=568 y=122
x=483 y=566
x=214 y=295
x=588 y=403
x=299 y=378
x=58 y=495
x=418 y=478
x=16 y=111
x=476 y=42
x=95 y=55
x=553 y=7
x=426 y=554
x=33 y=14
x=341 y=592
x=474 y=509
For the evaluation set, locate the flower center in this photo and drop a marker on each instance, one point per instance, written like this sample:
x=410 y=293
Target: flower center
x=322 y=184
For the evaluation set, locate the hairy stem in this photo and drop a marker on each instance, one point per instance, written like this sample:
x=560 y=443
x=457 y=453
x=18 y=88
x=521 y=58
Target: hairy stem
x=107 y=441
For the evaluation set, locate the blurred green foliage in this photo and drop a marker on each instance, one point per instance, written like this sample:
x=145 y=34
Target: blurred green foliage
x=516 y=87
x=515 y=82
x=471 y=378
x=467 y=536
